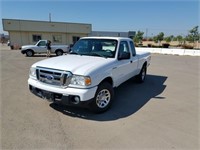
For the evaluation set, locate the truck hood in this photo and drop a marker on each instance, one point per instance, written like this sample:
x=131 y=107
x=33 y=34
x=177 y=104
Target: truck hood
x=27 y=46
x=80 y=65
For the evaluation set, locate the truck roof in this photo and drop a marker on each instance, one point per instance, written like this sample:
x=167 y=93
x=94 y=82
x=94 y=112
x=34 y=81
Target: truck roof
x=107 y=37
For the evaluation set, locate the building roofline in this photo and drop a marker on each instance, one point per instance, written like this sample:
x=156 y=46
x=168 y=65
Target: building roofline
x=106 y=37
x=44 y=21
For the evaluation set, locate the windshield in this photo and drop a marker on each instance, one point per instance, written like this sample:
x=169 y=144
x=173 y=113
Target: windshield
x=95 y=47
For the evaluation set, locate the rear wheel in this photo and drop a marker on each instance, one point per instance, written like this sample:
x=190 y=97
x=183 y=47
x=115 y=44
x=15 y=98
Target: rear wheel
x=141 y=77
x=59 y=52
x=29 y=53
x=103 y=98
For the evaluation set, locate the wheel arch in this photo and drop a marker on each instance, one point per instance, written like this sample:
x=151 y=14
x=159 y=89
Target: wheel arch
x=30 y=50
x=107 y=79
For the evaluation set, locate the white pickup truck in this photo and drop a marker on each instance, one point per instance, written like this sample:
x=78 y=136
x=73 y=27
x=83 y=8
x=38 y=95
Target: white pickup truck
x=88 y=75
x=40 y=47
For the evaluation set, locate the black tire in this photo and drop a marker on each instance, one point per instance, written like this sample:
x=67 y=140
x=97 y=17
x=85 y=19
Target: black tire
x=59 y=52
x=103 y=98
x=142 y=75
x=29 y=53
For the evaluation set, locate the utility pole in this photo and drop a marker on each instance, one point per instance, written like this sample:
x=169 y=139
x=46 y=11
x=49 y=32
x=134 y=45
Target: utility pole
x=146 y=32
x=49 y=17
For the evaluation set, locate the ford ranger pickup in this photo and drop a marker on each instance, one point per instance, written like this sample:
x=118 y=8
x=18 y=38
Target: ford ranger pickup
x=87 y=76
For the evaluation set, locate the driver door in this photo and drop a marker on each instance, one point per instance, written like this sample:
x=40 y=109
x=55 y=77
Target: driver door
x=41 y=47
x=123 y=68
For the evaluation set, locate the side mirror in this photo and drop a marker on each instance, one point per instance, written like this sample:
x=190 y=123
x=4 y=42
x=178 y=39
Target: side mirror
x=124 y=55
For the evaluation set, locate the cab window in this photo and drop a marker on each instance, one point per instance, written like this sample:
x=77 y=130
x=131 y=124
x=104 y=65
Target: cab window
x=132 y=48
x=123 y=47
x=42 y=43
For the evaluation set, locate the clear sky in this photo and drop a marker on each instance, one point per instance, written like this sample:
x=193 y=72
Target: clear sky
x=169 y=16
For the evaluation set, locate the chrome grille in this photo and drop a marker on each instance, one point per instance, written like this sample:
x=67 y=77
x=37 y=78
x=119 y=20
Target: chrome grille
x=53 y=76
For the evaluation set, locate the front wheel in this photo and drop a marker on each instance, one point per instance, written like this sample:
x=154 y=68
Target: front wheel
x=103 y=98
x=29 y=53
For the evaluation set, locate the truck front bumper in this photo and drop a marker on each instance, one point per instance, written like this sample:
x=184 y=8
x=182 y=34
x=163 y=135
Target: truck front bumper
x=67 y=96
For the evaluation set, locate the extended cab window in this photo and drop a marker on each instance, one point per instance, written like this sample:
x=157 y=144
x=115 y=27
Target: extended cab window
x=123 y=47
x=132 y=48
x=123 y=52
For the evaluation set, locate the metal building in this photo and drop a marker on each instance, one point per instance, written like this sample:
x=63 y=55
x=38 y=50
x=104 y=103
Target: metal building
x=23 y=32
x=129 y=34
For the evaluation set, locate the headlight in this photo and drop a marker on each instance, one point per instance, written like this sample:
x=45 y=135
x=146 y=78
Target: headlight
x=80 y=80
x=32 y=73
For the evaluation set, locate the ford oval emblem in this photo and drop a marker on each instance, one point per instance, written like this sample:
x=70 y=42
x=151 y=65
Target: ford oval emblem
x=49 y=77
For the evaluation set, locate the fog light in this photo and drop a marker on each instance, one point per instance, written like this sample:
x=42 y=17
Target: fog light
x=75 y=99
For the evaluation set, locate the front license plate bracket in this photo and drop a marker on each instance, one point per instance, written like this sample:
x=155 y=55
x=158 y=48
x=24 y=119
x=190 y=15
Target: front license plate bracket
x=48 y=96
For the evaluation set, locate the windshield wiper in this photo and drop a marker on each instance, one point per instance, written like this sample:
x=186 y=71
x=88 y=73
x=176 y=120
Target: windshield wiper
x=97 y=54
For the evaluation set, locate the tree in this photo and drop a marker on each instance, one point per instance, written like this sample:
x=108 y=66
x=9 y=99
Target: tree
x=180 y=39
x=159 y=38
x=193 y=35
x=138 y=37
x=169 y=38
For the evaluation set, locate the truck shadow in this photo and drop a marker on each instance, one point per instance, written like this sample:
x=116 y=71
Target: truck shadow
x=130 y=97
x=43 y=55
